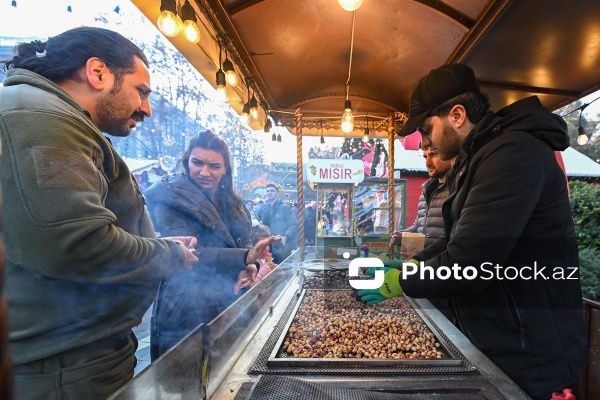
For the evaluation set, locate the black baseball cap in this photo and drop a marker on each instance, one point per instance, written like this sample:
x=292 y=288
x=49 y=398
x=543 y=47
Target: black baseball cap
x=438 y=86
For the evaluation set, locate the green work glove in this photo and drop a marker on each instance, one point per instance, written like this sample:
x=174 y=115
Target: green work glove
x=390 y=288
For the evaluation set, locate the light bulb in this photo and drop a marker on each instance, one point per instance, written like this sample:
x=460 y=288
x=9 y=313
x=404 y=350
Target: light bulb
x=169 y=23
x=347 y=121
x=253 y=108
x=222 y=94
x=365 y=138
x=232 y=78
x=582 y=137
x=245 y=117
x=350 y=5
x=191 y=31
x=230 y=74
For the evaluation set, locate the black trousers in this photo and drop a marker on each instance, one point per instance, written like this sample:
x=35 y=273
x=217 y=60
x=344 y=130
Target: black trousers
x=90 y=372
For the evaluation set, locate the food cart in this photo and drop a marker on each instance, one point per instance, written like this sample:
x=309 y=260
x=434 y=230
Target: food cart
x=295 y=61
x=245 y=353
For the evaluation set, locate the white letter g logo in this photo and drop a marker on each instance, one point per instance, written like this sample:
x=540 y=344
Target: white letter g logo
x=366 y=262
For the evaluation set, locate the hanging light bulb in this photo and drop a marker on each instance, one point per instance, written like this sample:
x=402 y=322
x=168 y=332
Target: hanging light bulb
x=169 y=22
x=222 y=94
x=190 y=28
x=230 y=74
x=347 y=118
x=245 y=117
x=253 y=107
x=582 y=138
x=350 y=5
x=268 y=125
x=366 y=135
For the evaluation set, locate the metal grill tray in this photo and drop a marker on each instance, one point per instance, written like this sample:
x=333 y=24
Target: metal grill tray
x=282 y=388
x=456 y=363
x=280 y=357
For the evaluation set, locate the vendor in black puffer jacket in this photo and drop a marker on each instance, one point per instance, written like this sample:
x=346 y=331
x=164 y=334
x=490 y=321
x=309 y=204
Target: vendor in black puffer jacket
x=508 y=205
x=202 y=203
x=430 y=221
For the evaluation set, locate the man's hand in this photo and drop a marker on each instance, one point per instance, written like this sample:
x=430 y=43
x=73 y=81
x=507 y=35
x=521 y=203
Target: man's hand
x=284 y=240
x=390 y=288
x=396 y=239
x=186 y=242
x=245 y=278
x=260 y=249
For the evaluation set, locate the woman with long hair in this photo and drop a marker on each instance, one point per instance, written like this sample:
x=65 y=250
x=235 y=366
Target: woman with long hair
x=201 y=202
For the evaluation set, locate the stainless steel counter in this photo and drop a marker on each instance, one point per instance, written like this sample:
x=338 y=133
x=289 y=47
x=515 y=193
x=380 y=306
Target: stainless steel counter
x=223 y=359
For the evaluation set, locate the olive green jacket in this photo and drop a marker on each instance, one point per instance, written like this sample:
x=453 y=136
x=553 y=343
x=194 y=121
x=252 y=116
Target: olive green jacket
x=82 y=260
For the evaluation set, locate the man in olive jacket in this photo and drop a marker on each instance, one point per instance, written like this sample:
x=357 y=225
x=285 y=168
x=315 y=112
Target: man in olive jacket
x=509 y=243
x=82 y=261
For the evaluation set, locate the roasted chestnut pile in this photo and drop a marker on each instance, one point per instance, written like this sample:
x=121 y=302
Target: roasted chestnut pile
x=330 y=280
x=334 y=324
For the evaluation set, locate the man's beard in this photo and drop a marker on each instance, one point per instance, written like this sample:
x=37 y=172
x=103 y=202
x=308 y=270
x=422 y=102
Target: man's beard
x=450 y=143
x=109 y=112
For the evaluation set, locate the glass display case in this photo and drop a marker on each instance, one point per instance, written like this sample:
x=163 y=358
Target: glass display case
x=349 y=215
x=370 y=218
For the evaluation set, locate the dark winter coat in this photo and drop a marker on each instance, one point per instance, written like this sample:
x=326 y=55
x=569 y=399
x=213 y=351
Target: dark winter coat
x=178 y=207
x=430 y=221
x=509 y=205
x=281 y=220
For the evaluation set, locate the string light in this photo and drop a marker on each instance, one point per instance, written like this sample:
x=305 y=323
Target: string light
x=190 y=28
x=347 y=117
x=222 y=94
x=232 y=78
x=169 y=22
x=582 y=138
x=350 y=5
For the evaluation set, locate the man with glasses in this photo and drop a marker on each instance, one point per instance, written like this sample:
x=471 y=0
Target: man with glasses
x=282 y=221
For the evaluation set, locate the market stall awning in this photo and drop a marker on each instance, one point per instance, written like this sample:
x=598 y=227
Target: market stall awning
x=297 y=53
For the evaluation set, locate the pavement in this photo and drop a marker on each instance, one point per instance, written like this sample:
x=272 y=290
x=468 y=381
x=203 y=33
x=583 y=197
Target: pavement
x=142 y=332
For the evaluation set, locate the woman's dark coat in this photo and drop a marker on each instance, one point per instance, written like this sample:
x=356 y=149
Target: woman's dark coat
x=178 y=207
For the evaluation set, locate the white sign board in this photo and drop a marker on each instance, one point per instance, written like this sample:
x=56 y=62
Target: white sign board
x=335 y=171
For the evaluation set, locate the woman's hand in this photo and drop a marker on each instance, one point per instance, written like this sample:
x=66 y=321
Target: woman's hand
x=260 y=249
x=245 y=278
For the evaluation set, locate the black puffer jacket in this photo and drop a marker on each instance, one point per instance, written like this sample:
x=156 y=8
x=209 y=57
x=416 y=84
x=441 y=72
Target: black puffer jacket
x=430 y=221
x=178 y=207
x=509 y=205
